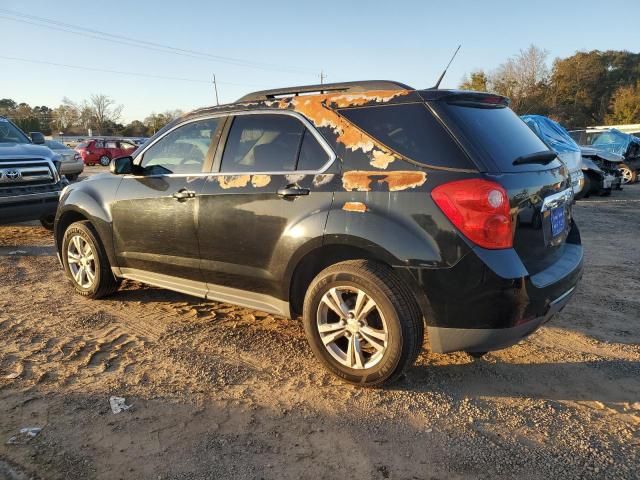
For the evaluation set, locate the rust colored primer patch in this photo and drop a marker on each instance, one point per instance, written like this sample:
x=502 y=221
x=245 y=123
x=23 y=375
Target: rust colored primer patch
x=234 y=181
x=402 y=180
x=357 y=180
x=382 y=159
x=397 y=181
x=355 y=207
x=321 y=179
x=260 y=180
x=320 y=110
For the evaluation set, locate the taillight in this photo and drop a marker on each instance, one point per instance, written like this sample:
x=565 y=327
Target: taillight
x=479 y=209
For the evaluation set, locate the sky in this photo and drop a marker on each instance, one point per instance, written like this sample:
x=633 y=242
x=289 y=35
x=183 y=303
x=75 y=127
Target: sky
x=253 y=45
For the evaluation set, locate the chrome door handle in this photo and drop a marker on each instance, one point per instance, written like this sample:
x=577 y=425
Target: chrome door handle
x=183 y=194
x=292 y=191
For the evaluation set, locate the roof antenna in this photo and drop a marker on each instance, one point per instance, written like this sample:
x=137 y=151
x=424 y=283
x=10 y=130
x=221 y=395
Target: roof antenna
x=435 y=87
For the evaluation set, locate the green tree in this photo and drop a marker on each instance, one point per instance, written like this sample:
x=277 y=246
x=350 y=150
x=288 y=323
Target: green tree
x=582 y=85
x=625 y=105
x=478 y=81
x=135 y=129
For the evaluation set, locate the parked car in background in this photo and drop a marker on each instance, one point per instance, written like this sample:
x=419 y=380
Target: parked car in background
x=368 y=208
x=601 y=171
x=101 y=151
x=558 y=140
x=30 y=180
x=614 y=141
x=72 y=165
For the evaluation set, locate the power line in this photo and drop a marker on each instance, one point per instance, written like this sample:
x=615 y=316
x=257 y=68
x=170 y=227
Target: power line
x=120 y=72
x=123 y=40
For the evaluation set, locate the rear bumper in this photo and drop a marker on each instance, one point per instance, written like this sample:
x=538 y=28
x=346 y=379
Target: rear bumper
x=72 y=168
x=444 y=340
x=489 y=301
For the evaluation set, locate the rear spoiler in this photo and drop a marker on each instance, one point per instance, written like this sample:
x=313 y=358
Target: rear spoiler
x=466 y=98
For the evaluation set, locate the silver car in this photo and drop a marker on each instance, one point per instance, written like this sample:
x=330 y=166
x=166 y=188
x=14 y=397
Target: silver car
x=72 y=165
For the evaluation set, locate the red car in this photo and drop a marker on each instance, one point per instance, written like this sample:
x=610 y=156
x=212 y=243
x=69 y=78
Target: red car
x=102 y=151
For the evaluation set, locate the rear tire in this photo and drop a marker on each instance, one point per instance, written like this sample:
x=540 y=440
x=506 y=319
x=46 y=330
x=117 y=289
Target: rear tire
x=85 y=261
x=586 y=188
x=105 y=161
x=72 y=177
x=379 y=331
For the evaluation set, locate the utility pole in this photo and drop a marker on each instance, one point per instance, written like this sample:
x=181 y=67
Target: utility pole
x=215 y=87
x=322 y=77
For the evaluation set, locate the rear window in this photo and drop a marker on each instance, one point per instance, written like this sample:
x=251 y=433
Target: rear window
x=498 y=133
x=412 y=131
x=83 y=145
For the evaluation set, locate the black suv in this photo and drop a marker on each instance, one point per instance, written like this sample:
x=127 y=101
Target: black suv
x=369 y=208
x=30 y=180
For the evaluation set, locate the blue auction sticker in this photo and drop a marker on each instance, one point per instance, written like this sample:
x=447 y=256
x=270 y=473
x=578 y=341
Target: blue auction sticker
x=557 y=221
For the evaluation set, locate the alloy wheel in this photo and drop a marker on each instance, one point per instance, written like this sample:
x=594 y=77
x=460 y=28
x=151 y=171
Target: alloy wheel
x=81 y=260
x=627 y=175
x=352 y=327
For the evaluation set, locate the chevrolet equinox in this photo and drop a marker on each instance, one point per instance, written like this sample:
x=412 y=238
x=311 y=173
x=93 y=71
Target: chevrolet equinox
x=371 y=209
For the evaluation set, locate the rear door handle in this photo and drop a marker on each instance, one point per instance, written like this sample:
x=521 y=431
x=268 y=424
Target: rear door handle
x=292 y=191
x=184 y=194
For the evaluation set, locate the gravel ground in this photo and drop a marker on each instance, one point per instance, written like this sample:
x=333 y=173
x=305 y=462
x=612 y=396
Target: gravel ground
x=218 y=391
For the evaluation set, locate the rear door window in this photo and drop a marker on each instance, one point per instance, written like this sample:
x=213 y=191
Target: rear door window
x=312 y=156
x=499 y=134
x=262 y=143
x=412 y=131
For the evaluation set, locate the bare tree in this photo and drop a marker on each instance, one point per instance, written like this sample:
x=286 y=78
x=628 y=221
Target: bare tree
x=522 y=77
x=104 y=110
x=65 y=116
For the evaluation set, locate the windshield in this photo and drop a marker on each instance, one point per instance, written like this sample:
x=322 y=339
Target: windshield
x=610 y=140
x=9 y=133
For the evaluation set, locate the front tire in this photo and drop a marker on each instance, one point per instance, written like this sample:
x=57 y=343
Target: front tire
x=105 y=161
x=362 y=322
x=628 y=176
x=85 y=261
x=48 y=221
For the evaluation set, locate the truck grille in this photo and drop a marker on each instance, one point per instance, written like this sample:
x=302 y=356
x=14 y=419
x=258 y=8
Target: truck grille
x=26 y=172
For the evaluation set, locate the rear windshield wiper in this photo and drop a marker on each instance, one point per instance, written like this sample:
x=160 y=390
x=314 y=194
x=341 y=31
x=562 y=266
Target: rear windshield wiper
x=539 y=157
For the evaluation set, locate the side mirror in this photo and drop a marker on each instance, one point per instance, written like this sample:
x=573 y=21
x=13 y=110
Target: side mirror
x=37 y=138
x=121 y=166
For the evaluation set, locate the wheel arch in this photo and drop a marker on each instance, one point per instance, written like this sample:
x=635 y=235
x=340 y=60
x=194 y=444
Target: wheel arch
x=316 y=259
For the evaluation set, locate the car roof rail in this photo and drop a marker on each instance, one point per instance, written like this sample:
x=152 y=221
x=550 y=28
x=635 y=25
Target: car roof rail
x=348 y=87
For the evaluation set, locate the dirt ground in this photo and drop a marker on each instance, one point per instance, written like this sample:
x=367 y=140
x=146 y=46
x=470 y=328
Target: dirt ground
x=218 y=391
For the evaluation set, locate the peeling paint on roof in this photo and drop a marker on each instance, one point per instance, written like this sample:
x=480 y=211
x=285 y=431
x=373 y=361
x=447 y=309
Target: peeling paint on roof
x=320 y=110
x=355 y=207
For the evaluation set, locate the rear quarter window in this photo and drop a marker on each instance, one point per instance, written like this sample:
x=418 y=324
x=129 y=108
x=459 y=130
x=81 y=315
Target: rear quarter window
x=412 y=131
